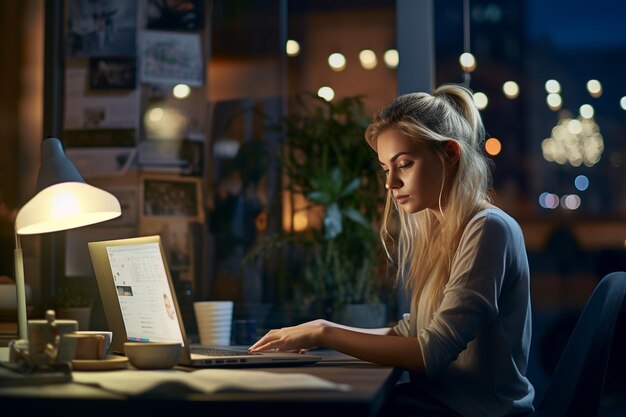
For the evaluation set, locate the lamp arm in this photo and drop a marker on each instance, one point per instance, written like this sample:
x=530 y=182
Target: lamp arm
x=20 y=286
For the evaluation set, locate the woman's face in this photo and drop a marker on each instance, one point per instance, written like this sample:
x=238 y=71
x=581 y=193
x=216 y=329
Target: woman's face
x=413 y=170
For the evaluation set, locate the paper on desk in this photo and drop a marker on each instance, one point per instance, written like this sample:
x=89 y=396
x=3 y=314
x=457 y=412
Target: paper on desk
x=131 y=382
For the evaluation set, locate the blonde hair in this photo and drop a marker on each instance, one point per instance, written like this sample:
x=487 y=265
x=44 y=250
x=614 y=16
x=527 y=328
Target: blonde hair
x=425 y=244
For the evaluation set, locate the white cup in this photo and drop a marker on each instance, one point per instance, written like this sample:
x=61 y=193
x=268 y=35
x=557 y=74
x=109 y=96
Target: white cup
x=214 y=319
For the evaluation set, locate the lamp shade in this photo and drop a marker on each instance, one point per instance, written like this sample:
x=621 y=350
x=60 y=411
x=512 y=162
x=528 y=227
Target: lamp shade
x=63 y=200
x=55 y=167
x=66 y=206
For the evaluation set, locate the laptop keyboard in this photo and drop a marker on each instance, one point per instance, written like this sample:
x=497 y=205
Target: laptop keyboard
x=209 y=351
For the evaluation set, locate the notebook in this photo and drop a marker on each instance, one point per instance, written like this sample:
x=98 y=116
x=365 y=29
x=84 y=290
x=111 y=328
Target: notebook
x=133 y=279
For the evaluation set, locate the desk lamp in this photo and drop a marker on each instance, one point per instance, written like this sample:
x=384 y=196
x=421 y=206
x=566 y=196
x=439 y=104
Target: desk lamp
x=62 y=201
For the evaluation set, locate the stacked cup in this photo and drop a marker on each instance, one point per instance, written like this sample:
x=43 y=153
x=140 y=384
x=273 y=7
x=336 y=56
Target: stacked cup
x=214 y=319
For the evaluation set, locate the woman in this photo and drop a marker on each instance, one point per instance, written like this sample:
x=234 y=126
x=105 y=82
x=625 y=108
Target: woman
x=467 y=337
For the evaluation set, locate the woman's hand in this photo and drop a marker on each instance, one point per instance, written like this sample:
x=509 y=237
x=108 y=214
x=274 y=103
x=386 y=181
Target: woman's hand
x=291 y=339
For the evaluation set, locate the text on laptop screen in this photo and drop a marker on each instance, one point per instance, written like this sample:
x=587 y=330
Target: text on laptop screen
x=144 y=293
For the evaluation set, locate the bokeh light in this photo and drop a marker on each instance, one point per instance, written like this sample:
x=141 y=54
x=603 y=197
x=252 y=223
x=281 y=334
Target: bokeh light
x=510 y=89
x=586 y=111
x=581 y=182
x=165 y=123
x=337 y=61
x=554 y=101
x=575 y=142
x=549 y=200
x=570 y=201
x=181 y=91
x=467 y=61
x=595 y=88
x=368 y=59
x=553 y=87
x=391 y=58
x=292 y=48
x=326 y=93
x=493 y=146
x=481 y=100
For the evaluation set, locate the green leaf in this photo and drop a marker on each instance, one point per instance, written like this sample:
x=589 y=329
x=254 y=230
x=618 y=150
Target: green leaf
x=351 y=187
x=320 y=197
x=356 y=217
x=335 y=175
x=332 y=222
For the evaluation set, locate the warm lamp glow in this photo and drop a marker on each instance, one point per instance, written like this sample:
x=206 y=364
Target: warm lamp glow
x=66 y=206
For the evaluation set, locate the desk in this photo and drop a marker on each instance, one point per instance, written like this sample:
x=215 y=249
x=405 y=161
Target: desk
x=369 y=384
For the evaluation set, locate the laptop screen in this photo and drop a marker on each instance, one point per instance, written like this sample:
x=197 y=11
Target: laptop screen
x=143 y=291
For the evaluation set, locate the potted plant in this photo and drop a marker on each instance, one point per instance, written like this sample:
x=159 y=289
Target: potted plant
x=75 y=303
x=326 y=162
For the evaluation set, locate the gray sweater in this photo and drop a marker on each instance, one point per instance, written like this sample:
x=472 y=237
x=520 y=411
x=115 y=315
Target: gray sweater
x=476 y=346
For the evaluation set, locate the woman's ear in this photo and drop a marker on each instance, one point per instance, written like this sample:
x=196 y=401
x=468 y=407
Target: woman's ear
x=453 y=151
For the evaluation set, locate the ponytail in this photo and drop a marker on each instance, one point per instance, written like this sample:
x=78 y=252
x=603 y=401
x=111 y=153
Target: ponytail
x=424 y=245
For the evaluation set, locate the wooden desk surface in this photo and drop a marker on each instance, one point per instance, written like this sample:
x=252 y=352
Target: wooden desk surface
x=369 y=385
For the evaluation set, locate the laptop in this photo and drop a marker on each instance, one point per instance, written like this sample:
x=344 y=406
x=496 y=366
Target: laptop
x=133 y=279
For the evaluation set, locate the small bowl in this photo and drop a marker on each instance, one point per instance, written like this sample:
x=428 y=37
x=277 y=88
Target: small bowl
x=153 y=355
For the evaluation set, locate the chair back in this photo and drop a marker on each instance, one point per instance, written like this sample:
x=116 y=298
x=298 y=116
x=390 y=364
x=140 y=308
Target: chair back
x=577 y=384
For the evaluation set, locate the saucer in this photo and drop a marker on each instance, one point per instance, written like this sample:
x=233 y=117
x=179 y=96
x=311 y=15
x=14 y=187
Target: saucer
x=110 y=363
